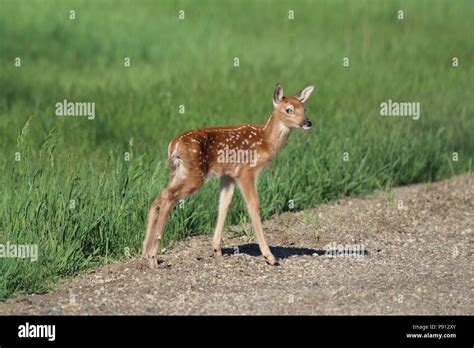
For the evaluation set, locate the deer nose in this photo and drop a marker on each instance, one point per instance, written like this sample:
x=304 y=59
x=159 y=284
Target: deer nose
x=307 y=124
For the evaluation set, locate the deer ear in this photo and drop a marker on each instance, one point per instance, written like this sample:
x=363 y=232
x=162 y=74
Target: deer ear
x=305 y=93
x=277 y=95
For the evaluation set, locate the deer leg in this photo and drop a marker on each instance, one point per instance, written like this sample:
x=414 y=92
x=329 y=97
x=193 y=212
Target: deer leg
x=156 y=224
x=168 y=199
x=227 y=185
x=152 y=220
x=249 y=191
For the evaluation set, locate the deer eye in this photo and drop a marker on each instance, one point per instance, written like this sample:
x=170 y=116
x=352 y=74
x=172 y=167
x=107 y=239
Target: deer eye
x=289 y=111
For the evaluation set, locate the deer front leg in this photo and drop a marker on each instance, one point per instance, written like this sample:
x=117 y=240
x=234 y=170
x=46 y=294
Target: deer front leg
x=227 y=185
x=249 y=191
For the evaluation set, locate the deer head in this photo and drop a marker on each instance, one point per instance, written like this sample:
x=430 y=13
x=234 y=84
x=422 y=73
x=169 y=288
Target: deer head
x=290 y=110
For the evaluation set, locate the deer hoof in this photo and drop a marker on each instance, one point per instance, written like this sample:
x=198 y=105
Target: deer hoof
x=271 y=260
x=152 y=262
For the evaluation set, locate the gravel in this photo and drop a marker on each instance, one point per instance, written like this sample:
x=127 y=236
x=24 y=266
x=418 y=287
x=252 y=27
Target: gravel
x=412 y=254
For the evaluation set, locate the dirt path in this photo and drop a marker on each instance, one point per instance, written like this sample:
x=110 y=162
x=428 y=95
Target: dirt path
x=416 y=259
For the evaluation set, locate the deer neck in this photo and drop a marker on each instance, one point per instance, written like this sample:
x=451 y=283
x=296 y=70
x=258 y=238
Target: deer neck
x=276 y=133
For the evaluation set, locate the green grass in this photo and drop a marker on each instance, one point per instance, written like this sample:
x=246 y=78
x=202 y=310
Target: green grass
x=190 y=62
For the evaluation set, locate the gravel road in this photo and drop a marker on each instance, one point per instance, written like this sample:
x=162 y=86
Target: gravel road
x=411 y=254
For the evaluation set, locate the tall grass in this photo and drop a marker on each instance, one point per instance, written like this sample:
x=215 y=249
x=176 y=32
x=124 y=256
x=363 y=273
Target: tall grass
x=76 y=197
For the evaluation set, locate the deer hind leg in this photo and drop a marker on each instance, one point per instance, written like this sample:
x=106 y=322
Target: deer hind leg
x=151 y=225
x=249 y=191
x=184 y=181
x=227 y=185
x=175 y=191
x=158 y=225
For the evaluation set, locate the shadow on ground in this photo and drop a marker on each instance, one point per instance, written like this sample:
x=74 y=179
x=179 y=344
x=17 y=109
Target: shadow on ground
x=282 y=252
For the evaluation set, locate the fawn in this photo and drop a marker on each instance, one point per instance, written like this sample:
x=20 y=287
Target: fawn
x=201 y=153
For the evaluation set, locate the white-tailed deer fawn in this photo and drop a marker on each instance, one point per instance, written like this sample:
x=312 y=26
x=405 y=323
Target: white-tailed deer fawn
x=235 y=154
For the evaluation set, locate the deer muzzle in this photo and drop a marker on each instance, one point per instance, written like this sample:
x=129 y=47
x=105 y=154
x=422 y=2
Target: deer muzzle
x=307 y=124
